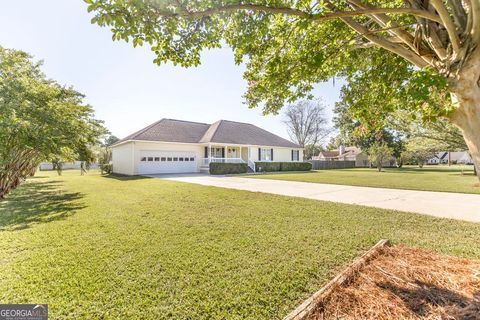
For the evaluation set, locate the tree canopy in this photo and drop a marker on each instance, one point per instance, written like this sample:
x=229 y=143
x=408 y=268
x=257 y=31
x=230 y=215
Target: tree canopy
x=40 y=119
x=417 y=55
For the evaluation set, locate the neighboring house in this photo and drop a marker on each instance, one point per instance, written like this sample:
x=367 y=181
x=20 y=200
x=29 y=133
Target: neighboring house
x=436 y=159
x=457 y=157
x=66 y=165
x=350 y=154
x=177 y=146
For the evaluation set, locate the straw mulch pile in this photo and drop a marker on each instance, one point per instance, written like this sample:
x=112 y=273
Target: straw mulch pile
x=408 y=283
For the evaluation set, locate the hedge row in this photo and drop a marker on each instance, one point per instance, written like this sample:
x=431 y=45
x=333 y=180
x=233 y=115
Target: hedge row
x=282 y=166
x=228 y=168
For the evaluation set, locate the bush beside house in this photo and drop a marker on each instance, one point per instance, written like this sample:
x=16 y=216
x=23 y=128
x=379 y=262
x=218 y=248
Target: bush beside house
x=106 y=168
x=296 y=166
x=282 y=166
x=267 y=166
x=227 y=168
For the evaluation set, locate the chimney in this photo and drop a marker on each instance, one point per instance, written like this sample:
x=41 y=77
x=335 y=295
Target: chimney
x=341 y=150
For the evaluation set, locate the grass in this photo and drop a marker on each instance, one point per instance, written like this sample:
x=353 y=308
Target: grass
x=96 y=247
x=438 y=178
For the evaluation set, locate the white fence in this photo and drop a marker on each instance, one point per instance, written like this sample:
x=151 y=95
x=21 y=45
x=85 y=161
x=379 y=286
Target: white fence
x=207 y=161
x=45 y=166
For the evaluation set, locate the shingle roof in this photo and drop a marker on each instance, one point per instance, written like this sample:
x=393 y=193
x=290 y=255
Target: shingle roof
x=329 y=154
x=223 y=131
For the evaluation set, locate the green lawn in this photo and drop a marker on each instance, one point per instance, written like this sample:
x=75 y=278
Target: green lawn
x=435 y=178
x=96 y=247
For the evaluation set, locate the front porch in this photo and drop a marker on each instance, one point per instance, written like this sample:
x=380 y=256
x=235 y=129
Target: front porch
x=226 y=154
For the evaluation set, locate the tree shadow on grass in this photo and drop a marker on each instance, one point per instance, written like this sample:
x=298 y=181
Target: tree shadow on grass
x=37 y=202
x=122 y=177
x=425 y=297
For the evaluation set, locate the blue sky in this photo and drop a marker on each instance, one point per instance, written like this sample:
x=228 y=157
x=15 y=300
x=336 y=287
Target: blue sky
x=122 y=84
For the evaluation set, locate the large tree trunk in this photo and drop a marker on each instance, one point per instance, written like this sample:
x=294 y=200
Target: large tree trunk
x=16 y=169
x=466 y=89
x=469 y=123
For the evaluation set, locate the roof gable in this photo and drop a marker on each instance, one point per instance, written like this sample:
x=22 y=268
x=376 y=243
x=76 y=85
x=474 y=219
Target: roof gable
x=225 y=131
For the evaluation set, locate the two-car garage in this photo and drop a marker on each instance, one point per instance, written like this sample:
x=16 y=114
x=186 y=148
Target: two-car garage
x=152 y=162
x=139 y=158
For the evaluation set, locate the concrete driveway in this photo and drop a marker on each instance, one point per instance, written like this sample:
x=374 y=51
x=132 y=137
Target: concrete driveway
x=439 y=204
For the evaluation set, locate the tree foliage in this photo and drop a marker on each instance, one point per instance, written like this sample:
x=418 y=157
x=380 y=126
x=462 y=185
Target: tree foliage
x=352 y=131
x=419 y=151
x=40 y=119
x=441 y=134
x=109 y=140
x=378 y=153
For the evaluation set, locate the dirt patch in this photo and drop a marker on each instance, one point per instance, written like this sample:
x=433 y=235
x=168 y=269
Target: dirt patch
x=408 y=283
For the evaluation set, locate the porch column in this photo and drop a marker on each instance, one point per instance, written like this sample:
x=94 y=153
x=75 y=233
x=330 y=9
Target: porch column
x=241 y=153
x=226 y=152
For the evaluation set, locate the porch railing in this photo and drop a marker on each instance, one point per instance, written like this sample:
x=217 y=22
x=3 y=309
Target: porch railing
x=206 y=161
x=251 y=164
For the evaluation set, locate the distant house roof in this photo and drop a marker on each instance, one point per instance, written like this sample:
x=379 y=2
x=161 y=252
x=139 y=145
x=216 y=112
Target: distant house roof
x=335 y=154
x=330 y=154
x=222 y=131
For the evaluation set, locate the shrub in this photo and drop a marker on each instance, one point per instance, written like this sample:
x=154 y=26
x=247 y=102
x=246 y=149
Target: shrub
x=228 y=168
x=282 y=166
x=106 y=168
x=296 y=166
x=267 y=166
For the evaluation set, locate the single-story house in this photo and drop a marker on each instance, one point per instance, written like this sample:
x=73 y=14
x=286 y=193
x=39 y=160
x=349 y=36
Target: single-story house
x=177 y=146
x=455 y=157
x=350 y=154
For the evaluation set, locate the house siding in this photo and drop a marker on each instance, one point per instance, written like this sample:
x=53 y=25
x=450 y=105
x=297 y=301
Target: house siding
x=122 y=159
x=279 y=154
x=126 y=157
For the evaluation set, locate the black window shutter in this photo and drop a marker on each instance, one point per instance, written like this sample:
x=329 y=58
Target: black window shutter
x=271 y=154
x=206 y=152
x=259 y=154
x=292 y=154
x=223 y=152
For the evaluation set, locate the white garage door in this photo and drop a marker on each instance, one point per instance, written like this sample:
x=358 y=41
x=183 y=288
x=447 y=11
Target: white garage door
x=152 y=162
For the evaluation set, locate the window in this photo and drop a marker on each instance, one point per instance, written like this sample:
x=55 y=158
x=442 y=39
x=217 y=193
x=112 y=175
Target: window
x=157 y=158
x=265 y=154
x=169 y=159
x=175 y=159
x=143 y=159
x=150 y=158
x=180 y=159
x=164 y=159
x=295 y=155
x=192 y=159
x=217 y=152
x=186 y=159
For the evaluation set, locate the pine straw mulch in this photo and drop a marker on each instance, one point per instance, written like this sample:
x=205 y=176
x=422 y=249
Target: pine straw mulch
x=408 y=283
